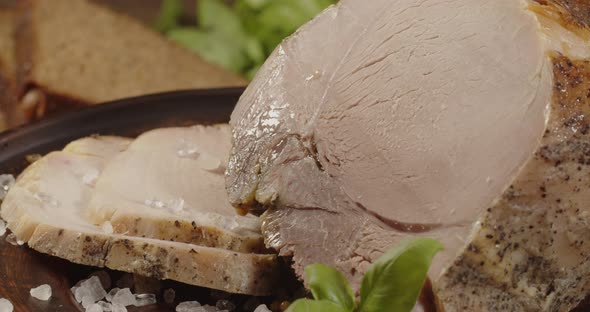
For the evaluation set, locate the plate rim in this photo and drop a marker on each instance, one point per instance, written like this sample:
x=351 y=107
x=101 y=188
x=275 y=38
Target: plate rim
x=105 y=107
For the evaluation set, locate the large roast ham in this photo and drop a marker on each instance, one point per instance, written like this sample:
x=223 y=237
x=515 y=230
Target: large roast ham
x=462 y=120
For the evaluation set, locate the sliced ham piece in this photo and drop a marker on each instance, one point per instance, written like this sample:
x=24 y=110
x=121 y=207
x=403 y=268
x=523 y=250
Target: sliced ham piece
x=169 y=184
x=463 y=120
x=48 y=208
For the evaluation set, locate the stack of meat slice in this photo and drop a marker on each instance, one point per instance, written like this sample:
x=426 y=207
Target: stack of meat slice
x=155 y=206
x=167 y=185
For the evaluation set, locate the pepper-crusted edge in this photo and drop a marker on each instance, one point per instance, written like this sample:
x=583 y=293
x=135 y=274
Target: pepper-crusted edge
x=515 y=260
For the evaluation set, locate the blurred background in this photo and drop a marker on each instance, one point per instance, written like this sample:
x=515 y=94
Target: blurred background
x=60 y=55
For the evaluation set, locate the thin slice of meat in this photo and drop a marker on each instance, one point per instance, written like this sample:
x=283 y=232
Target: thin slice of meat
x=98 y=146
x=377 y=122
x=47 y=207
x=169 y=184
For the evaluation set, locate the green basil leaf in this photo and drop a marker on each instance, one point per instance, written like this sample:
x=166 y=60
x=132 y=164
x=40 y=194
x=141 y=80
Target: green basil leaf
x=394 y=281
x=254 y=50
x=307 y=305
x=170 y=12
x=214 y=15
x=256 y=4
x=212 y=47
x=270 y=21
x=327 y=283
x=241 y=36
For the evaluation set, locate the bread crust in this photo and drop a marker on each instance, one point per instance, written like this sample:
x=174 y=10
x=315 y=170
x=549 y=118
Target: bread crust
x=77 y=69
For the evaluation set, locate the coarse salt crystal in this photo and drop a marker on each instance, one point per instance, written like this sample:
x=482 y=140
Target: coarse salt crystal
x=262 y=308
x=5 y=305
x=11 y=239
x=187 y=306
x=94 y=308
x=6 y=182
x=187 y=149
x=124 y=297
x=154 y=203
x=144 y=299
x=42 y=292
x=90 y=177
x=188 y=153
x=111 y=293
x=107 y=227
x=118 y=308
x=105 y=306
x=89 y=292
x=176 y=205
x=104 y=277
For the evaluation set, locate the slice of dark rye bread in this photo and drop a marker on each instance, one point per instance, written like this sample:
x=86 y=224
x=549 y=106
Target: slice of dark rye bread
x=7 y=97
x=8 y=116
x=73 y=53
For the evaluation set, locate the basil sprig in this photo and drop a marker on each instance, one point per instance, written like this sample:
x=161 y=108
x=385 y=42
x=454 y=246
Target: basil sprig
x=241 y=35
x=393 y=283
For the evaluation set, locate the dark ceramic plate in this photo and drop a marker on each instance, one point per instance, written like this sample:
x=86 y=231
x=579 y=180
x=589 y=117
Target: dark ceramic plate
x=21 y=268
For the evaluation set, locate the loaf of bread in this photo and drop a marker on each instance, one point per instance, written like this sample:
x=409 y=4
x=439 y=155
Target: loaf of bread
x=72 y=53
x=8 y=96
